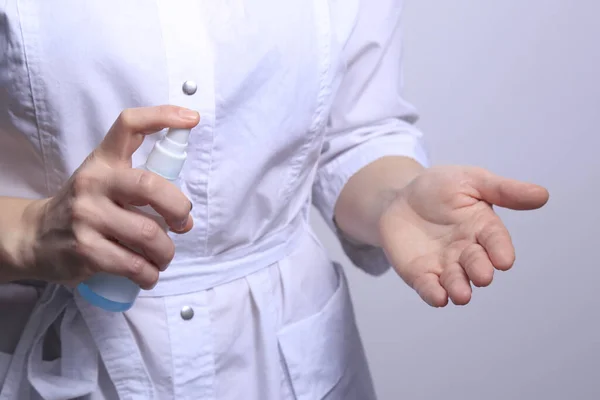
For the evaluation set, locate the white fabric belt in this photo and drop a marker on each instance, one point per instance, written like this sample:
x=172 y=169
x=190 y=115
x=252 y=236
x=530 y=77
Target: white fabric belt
x=197 y=274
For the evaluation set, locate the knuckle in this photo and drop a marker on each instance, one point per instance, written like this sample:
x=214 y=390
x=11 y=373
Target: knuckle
x=150 y=281
x=79 y=209
x=82 y=242
x=85 y=212
x=470 y=255
x=149 y=229
x=135 y=265
x=491 y=233
x=449 y=279
x=145 y=181
x=125 y=119
x=83 y=182
x=167 y=113
x=164 y=112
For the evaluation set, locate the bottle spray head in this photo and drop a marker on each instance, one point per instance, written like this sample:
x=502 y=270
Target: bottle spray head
x=169 y=153
x=179 y=136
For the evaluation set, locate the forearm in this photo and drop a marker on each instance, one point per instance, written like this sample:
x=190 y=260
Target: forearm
x=17 y=231
x=368 y=192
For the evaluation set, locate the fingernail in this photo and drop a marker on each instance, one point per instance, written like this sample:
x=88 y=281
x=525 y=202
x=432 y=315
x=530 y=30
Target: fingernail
x=188 y=115
x=181 y=225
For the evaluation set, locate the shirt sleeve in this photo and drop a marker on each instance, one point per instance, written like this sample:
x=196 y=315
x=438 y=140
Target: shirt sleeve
x=369 y=118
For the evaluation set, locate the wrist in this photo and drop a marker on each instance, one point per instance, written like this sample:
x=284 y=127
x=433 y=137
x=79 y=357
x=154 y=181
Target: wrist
x=369 y=194
x=18 y=242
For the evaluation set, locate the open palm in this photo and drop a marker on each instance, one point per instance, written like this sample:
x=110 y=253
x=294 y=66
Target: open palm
x=442 y=234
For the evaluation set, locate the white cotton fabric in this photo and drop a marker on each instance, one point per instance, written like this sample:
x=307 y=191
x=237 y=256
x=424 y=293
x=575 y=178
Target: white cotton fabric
x=295 y=97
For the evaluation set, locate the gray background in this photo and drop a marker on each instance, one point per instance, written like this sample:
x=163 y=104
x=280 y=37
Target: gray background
x=512 y=86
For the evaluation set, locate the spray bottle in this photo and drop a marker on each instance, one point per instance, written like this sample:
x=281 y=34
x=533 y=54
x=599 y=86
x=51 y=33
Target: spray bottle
x=118 y=293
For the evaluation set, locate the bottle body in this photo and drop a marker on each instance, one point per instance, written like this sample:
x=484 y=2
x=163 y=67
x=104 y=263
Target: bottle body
x=109 y=292
x=113 y=292
x=117 y=293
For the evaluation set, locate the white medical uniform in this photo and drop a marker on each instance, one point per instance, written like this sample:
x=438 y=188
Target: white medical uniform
x=295 y=96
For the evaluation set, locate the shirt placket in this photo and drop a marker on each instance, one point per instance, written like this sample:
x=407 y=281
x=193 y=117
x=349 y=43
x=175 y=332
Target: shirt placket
x=190 y=65
x=193 y=361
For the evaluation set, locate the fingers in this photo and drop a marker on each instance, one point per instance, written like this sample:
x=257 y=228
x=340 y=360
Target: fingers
x=141 y=187
x=135 y=230
x=453 y=283
x=454 y=279
x=496 y=241
x=423 y=275
x=508 y=193
x=450 y=276
x=112 y=258
x=431 y=291
x=127 y=133
x=477 y=265
x=451 y=280
x=138 y=187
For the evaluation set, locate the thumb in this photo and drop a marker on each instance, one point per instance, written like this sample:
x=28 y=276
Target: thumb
x=127 y=133
x=508 y=193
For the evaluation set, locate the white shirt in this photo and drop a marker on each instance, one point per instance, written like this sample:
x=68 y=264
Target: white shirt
x=294 y=97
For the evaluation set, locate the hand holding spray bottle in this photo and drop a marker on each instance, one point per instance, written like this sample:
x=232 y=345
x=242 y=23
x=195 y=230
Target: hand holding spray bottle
x=118 y=293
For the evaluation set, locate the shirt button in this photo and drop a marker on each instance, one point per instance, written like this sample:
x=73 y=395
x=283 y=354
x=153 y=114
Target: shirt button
x=189 y=87
x=187 y=313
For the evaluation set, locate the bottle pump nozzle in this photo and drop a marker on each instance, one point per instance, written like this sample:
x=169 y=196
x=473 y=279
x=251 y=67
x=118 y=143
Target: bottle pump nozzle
x=169 y=153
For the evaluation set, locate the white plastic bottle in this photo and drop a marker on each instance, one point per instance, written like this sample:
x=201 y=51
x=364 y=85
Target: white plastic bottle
x=118 y=293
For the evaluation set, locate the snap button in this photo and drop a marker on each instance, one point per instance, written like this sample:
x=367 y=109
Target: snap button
x=189 y=87
x=187 y=313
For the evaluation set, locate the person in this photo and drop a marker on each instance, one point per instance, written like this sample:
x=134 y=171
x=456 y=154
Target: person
x=291 y=104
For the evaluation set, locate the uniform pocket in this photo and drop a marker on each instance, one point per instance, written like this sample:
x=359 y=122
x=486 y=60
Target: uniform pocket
x=319 y=350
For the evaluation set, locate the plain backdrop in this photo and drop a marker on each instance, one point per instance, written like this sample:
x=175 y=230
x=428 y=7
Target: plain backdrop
x=513 y=86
